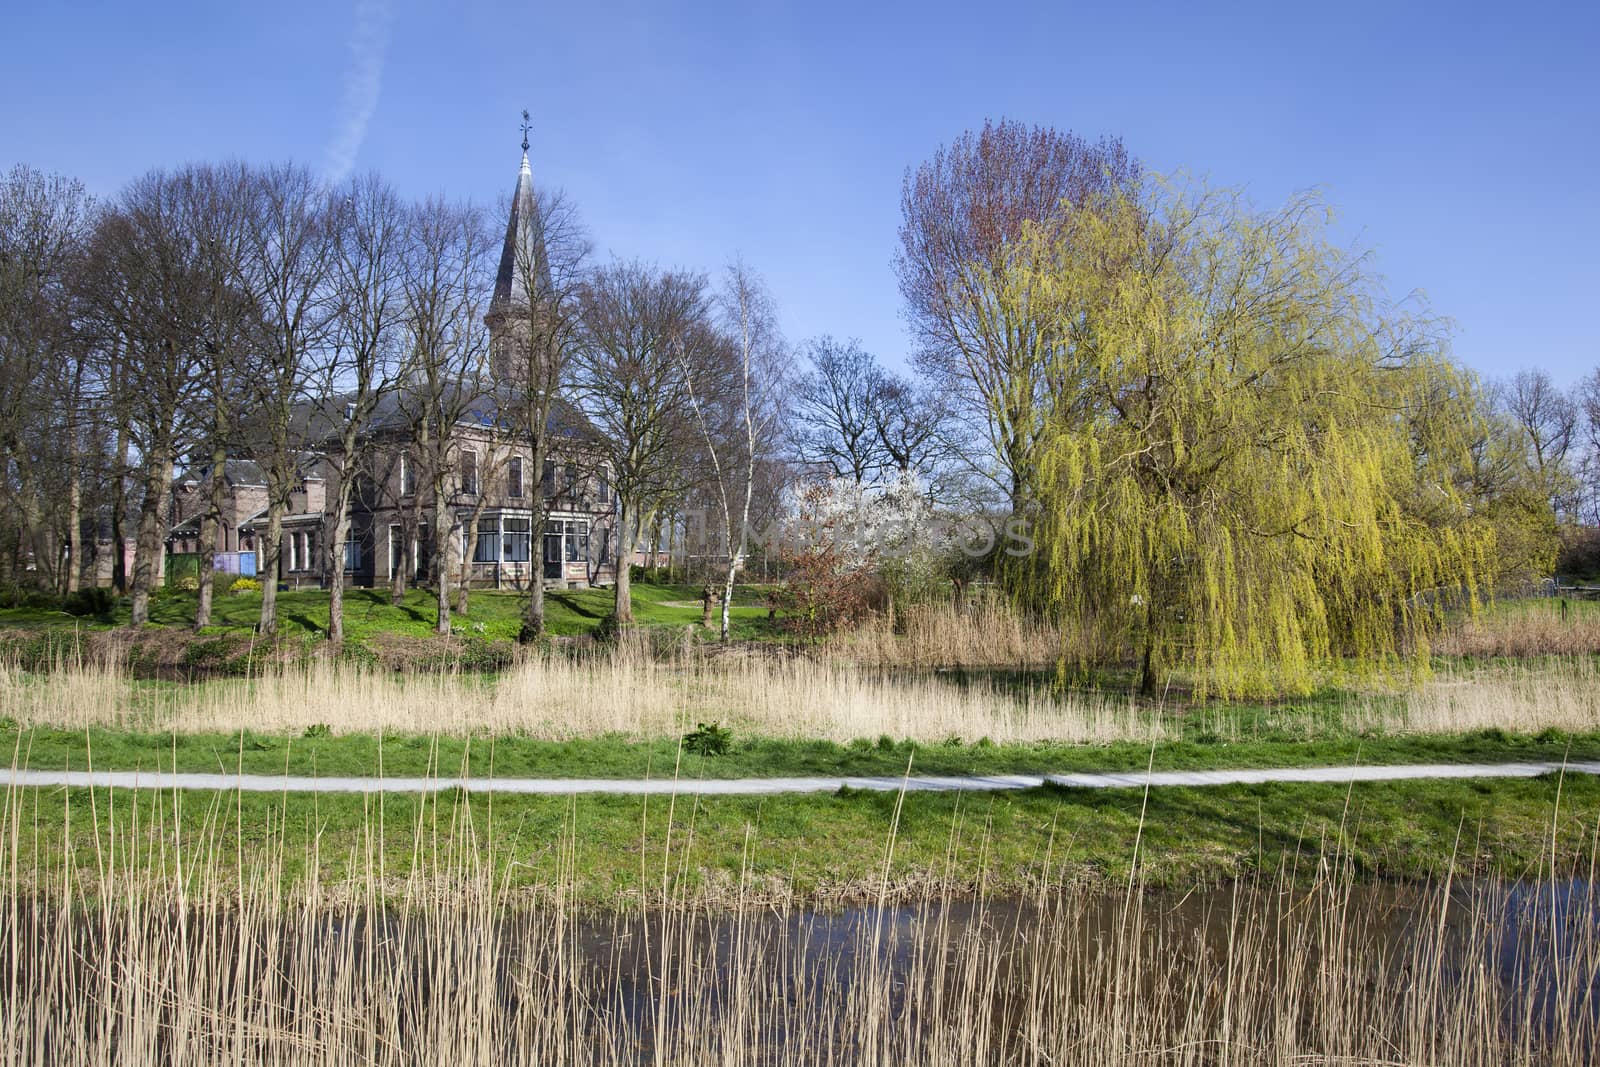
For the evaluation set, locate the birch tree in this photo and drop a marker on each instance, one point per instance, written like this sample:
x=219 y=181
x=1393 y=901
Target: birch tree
x=758 y=378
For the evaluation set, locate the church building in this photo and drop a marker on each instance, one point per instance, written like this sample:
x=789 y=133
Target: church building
x=495 y=539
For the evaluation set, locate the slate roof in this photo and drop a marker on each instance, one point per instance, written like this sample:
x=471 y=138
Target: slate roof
x=318 y=423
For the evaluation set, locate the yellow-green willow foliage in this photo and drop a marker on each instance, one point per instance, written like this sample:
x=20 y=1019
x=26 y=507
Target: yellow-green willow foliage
x=1254 y=461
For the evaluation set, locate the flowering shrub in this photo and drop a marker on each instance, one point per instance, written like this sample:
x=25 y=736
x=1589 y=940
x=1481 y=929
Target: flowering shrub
x=242 y=586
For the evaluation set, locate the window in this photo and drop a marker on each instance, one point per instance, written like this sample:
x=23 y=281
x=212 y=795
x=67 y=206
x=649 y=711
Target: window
x=408 y=476
x=577 y=542
x=397 y=549
x=516 y=533
x=605 y=488
x=352 y=555
x=514 y=477
x=548 y=477
x=469 y=471
x=571 y=481
x=488 y=549
x=566 y=540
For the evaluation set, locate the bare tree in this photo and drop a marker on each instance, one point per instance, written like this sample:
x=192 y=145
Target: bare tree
x=642 y=329
x=963 y=211
x=753 y=399
x=447 y=293
x=535 y=317
x=230 y=335
x=1588 y=403
x=834 y=420
x=288 y=253
x=495 y=436
x=1547 y=421
x=368 y=293
x=43 y=382
x=150 y=299
x=906 y=419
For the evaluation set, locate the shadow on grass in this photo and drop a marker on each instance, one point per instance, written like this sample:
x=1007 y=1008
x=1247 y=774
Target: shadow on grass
x=574 y=605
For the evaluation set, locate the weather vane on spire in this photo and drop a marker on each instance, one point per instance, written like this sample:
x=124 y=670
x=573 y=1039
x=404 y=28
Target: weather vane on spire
x=526 y=126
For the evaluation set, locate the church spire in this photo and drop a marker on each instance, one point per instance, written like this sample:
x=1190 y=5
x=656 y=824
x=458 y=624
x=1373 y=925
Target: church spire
x=524 y=268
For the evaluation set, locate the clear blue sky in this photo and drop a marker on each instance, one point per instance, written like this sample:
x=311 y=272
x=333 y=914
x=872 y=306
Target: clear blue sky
x=1459 y=141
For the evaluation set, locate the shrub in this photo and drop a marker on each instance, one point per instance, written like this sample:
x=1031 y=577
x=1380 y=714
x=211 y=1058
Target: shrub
x=90 y=601
x=708 y=739
x=213 y=655
x=241 y=586
x=825 y=594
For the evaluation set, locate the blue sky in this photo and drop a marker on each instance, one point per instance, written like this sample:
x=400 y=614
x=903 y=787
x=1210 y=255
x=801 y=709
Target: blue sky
x=1459 y=141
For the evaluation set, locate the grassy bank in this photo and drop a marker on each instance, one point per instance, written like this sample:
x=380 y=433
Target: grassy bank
x=369 y=613
x=447 y=757
x=615 y=851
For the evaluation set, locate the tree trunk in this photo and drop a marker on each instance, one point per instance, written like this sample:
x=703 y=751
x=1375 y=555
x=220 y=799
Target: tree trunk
x=74 y=535
x=157 y=487
x=333 y=560
x=469 y=553
x=216 y=488
x=1147 y=673
x=441 y=561
x=622 y=592
x=269 y=582
x=533 y=622
x=408 y=561
x=119 y=505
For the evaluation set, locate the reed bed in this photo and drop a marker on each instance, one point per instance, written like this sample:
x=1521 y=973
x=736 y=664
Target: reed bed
x=205 y=957
x=1544 y=627
x=627 y=693
x=985 y=632
x=632 y=694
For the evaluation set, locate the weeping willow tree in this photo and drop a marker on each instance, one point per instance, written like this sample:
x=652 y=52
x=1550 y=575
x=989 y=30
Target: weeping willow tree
x=1255 y=463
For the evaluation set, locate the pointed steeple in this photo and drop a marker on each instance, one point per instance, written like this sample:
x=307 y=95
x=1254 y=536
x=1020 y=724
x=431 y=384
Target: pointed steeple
x=522 y=260
x=523 y=276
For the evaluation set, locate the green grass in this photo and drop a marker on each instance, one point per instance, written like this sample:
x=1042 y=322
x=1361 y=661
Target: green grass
x=617 y=757
x=368 y=612
x=823 y=848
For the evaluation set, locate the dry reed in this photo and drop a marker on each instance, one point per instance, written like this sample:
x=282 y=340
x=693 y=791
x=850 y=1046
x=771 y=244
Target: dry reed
x=1537 y=628
x=633 y=695
x=191 y=953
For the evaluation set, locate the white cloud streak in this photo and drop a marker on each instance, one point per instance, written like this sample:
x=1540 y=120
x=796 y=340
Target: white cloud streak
x=363 y=83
